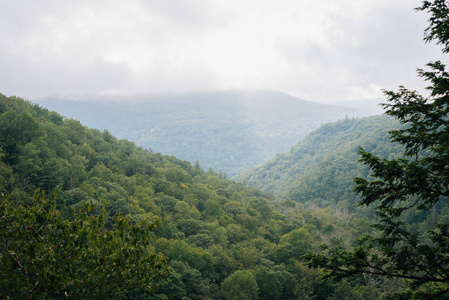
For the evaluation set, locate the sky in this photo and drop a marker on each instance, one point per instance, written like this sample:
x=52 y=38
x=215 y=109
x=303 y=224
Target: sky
x=326 y=51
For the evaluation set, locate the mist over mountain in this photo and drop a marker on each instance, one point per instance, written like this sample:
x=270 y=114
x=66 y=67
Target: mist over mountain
x=228 y=131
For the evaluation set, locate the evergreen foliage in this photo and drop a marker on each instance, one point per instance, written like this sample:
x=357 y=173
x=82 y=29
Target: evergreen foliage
x=409 y=188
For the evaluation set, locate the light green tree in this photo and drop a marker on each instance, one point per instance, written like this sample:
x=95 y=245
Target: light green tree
x=240 y=285
x=45 y=256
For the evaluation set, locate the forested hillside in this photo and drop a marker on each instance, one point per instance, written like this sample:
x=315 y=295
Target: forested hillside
x=221 y=238
x=320 y=169
x=228 y=131
x=319 y=173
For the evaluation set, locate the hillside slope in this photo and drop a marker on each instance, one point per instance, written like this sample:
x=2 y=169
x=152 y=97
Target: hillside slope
x=320 y=168
x=215 y=232
x=229 y=131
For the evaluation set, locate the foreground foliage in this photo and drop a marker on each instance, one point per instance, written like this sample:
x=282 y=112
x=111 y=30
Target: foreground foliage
x=45 y=256
x=414 y=187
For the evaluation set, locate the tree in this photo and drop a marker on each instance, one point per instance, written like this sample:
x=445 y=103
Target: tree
x=269 y=286
x=345 y=292
x=195 y=286
x=45 y=256
x=240 y=285
x=304 y=290
x=295 y=244
x=405 y=189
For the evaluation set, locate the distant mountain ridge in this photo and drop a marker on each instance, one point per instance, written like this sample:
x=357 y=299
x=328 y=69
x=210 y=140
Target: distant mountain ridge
x=229 y=131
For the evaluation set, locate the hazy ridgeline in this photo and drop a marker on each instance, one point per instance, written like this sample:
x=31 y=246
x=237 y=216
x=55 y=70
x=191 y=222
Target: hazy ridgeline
x=228 y=131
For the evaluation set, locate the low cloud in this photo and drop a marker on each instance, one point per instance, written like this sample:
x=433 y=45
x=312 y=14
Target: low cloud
x=317 y=50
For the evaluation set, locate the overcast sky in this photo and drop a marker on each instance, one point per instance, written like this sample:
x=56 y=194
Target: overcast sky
x=317 y=50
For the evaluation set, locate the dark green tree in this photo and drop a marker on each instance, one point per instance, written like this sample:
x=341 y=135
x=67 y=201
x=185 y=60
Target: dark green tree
x=269 y=286
x=43 y=255
x=345 y=292
x=405 y=189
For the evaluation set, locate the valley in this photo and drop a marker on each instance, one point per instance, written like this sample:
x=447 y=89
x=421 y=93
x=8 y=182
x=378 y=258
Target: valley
x=226 y=131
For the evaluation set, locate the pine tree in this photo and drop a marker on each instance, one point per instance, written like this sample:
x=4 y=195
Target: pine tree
x=412 y=186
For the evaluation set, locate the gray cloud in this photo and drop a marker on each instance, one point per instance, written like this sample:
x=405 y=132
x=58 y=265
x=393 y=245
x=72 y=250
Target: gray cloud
x=383 y=51
x=318 y=50
x=188 y=15
x=33 y=79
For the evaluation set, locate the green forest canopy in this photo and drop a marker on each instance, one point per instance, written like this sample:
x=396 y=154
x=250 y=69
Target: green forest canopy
x=208 y=229
x=320 y=168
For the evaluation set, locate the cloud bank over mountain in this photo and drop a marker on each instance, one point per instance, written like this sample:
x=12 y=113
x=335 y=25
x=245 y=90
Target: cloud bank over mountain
x=318 y=50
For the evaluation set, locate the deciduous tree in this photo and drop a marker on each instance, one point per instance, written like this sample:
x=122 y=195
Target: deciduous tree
x=240 y=285
x=43 y=255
